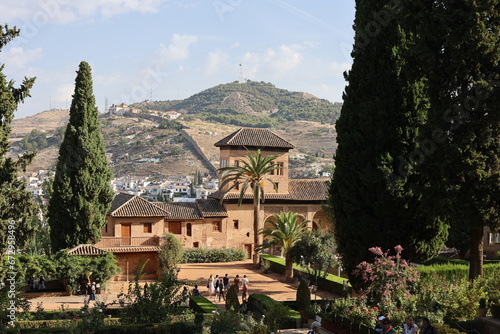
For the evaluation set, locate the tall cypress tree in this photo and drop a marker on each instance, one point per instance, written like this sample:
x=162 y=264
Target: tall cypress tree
x=458 y=51
x=82 y=192
x=372 y=195
x=16 y=203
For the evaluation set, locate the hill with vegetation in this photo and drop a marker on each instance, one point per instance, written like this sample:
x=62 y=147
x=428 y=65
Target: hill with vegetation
x=252 y=103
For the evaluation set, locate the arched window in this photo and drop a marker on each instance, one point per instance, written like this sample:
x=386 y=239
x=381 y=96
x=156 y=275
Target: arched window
x=189 y=229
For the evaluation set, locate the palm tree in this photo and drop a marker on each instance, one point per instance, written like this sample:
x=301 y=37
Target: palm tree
x=250 y=173
x=284 y=233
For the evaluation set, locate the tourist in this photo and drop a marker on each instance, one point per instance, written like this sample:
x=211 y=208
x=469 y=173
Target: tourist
x=236 y=283
x=244 y=286
x=379 y=327
x=185 y=296
x=221 y=290
x=315 y=327
x=41 y=282
x=92 y=291
x=387 y=327
x=217 y=282
x=427 y=328
x=210 y=286
x=226 y=282
x=195 y=291
x=244 y=281
x=410 y=327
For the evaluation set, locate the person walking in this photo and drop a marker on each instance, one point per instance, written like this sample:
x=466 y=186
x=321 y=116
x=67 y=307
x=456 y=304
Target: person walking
x=92 y=292
x=195 y=291
x=237 y=283
x=41 y=282
x=225 y=279
x=211 y=286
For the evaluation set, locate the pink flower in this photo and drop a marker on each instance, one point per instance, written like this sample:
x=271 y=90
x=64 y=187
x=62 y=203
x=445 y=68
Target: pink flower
x=376 y=250
x=109 y=315
x=398 y=249
x=75 y=318
x=88 y=320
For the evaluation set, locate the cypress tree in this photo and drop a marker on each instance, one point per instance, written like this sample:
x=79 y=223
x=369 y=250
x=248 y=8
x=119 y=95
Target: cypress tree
x=458 y=52
x=16 y=203
x=82 y=192
x=371 y=197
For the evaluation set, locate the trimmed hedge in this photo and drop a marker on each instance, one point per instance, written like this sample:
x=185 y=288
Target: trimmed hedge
x=61 y=315
x=452 y=271
x=177 y=328
x=263 y=304
x=332 y=283
x=200 y=304
x=25 y=324
x=202 y=255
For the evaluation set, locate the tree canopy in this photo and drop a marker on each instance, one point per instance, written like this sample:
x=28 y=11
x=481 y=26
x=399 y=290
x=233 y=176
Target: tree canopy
x=82 y=193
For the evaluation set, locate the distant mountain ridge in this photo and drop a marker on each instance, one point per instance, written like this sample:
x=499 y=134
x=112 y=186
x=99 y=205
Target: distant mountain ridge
x=251 y=103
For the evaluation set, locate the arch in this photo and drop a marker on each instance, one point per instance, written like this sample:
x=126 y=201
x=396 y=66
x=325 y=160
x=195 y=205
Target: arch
x=321 y=222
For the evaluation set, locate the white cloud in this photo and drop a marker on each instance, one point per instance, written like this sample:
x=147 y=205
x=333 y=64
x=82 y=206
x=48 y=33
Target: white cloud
x=177 y=50
x=216 y=61
x=65 y=11
x=280 y=62
x=339 y=68
x=18 y=57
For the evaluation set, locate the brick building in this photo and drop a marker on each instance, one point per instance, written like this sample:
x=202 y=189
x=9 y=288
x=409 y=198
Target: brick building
x=135 y=226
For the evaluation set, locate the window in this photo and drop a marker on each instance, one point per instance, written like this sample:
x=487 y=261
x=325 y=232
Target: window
x=189 y=229
x=174 y=227
x=148 y=228
x=196 y=244
x=106 y=228
x=495 y=238
x=223 y=163
x=271 y=164
x=236 y=223
x=216 y=226
x=279 y=168
x=236 y=163
x=277 y=186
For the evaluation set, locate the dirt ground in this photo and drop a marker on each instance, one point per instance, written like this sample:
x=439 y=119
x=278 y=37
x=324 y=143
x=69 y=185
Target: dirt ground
x=270 y=284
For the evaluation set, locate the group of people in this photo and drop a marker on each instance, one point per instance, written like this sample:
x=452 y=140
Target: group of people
x=410 y=327
x=89 y=288
x=37 y=283
x=218 y=286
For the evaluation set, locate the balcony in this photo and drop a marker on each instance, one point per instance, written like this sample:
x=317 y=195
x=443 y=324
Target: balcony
x=108 y=242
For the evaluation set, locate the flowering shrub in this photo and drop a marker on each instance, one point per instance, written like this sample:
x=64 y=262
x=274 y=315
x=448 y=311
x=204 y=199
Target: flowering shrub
x=89 y=320
x=356 y=310
x=388 y=281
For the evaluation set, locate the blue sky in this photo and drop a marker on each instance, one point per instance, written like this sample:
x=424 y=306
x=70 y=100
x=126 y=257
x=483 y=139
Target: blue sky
x=174 y=49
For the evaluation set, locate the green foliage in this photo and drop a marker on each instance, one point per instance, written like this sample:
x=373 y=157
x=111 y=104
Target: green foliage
x=16 y=204
x=315 y=252
x=455 y=271
x=303 y=296
x=171 y=125
x=285 y=232
x=227 y=322
x=232 y=301
x=152 y=302
x=170 y=254
x=373 y=196
x=218 y=103
x=456 y=50
x=202 y=255
x=277 y=314
x=82 y=193
x=200 y=304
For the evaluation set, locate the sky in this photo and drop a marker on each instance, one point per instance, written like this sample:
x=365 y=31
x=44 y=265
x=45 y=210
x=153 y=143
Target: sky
x=171 y=49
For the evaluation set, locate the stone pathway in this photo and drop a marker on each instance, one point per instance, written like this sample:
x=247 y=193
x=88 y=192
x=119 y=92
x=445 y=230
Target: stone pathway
x=270 y=284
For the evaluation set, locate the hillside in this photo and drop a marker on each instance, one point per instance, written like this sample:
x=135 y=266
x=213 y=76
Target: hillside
x=145 y=144
x=251 y=104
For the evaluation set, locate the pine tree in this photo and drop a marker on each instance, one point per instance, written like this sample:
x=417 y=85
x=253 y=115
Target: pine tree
x=16 y=203
x=458 y=52
x=371 y=196
x=82 y=192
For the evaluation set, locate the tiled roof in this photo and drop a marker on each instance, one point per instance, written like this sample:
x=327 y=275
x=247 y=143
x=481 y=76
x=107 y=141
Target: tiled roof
x=87 y=250
x=135 y=207
x=254 y=137
x=211 y=208
x=133 y=249
x=181 y=210
x=298 y=190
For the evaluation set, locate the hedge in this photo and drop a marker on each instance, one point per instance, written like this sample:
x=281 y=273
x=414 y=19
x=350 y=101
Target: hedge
x=263 y=304
x=200 y=304
x=332 y=283
x=177 y=328
x=495 y=310
x=25 y=324
x=61 y=315
x=452 y=271
x=202 y=255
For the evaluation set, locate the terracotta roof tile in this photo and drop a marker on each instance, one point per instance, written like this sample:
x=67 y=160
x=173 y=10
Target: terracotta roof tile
x=133 y=249
x=86 y=250
x=181 y=210
x=135 y=207
x=211 y=208
x=254 y=137
x=298 y=190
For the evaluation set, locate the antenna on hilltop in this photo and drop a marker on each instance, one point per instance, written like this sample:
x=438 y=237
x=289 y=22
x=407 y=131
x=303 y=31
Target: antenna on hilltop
x=241 y=74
